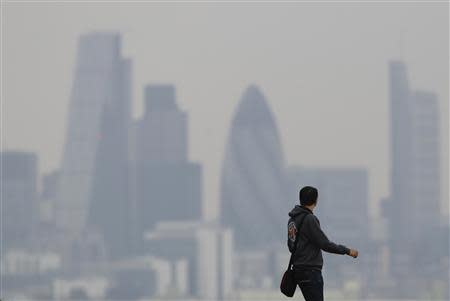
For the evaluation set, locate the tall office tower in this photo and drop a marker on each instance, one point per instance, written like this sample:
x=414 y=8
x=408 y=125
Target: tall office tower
x=401 y=153
x=343 y=210
x=168 y=186
x=163 y=130
x=254 y=202
x=413 y=208
x=425 y=150
x=109 y=209
x=94 y=185
x=19 y=198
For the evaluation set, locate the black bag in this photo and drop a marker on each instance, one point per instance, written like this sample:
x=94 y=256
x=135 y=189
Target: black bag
x=288 y=283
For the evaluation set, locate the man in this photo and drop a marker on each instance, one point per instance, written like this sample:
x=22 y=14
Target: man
x=306 y=240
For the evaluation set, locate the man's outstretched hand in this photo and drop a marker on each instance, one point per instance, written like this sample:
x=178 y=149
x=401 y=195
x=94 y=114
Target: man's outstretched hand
x=353 y=253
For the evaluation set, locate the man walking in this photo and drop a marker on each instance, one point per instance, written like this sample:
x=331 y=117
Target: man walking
x=306 y=241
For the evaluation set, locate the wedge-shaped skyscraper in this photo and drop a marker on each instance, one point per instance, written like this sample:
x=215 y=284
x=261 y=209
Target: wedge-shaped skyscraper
x=93 y=187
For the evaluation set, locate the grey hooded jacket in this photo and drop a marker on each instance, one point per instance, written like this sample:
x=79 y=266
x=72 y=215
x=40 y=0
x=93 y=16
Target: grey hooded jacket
x=311 y=240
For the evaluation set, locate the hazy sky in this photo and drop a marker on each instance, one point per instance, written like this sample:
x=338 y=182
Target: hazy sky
x=323 y=68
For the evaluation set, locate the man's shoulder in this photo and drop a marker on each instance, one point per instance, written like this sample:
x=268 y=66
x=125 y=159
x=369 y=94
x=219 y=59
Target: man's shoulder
x=311 y=218
x=303 y=218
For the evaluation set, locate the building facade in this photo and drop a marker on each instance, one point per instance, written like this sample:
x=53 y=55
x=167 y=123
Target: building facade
x=413 y=208
x=93 y=182
x=253 y=187
x=19 y=199
x=167 y=185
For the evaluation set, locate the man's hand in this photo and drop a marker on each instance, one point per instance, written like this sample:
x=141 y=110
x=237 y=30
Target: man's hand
x=353 y=253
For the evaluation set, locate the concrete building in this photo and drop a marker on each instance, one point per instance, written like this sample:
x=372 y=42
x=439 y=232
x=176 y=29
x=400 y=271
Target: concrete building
x=19 y=198
x=167 y=185
x=201 y=256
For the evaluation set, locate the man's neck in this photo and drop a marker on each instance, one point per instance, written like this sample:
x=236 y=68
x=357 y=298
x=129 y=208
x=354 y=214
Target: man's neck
x=310 y=207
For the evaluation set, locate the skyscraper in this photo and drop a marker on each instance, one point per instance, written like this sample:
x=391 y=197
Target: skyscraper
x=110 y=205
x=163 y=130
x=413 y=210
x=253 y=197
x=168 y=186
x=415 y=156
x=94 y=167
x=401 y=148
x=19 y=198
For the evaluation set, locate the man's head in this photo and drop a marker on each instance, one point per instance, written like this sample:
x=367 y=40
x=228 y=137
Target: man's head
x=308 y=196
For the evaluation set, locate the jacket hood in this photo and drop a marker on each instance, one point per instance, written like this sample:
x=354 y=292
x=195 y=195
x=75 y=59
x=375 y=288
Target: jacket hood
x=297 y=210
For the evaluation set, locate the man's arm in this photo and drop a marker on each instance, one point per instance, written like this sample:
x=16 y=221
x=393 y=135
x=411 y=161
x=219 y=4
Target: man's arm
x=317 y=237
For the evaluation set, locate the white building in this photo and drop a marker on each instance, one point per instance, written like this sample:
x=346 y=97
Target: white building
x=93 y=287
x=200 y=254
x=19 y=262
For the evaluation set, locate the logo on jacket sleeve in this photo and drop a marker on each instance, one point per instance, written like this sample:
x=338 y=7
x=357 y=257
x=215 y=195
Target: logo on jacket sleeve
x=292 y=231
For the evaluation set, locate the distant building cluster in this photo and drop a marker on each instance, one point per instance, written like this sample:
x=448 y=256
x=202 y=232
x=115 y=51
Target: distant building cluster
x=412 y=210
x=121 y=219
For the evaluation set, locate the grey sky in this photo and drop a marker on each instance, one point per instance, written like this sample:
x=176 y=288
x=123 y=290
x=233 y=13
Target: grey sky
x=323 y=68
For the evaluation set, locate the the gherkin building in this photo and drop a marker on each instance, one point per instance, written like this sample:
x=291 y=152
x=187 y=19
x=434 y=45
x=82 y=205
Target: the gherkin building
x=253 y=187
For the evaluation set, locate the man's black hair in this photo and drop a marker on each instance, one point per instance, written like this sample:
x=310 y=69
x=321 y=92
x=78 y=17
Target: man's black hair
x=308 y=195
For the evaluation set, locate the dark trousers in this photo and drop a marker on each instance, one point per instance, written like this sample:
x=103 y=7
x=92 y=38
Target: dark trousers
x=311 y=283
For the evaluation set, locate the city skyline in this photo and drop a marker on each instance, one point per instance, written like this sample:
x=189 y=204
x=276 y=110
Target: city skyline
x=291 y=74
x=140 y=198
